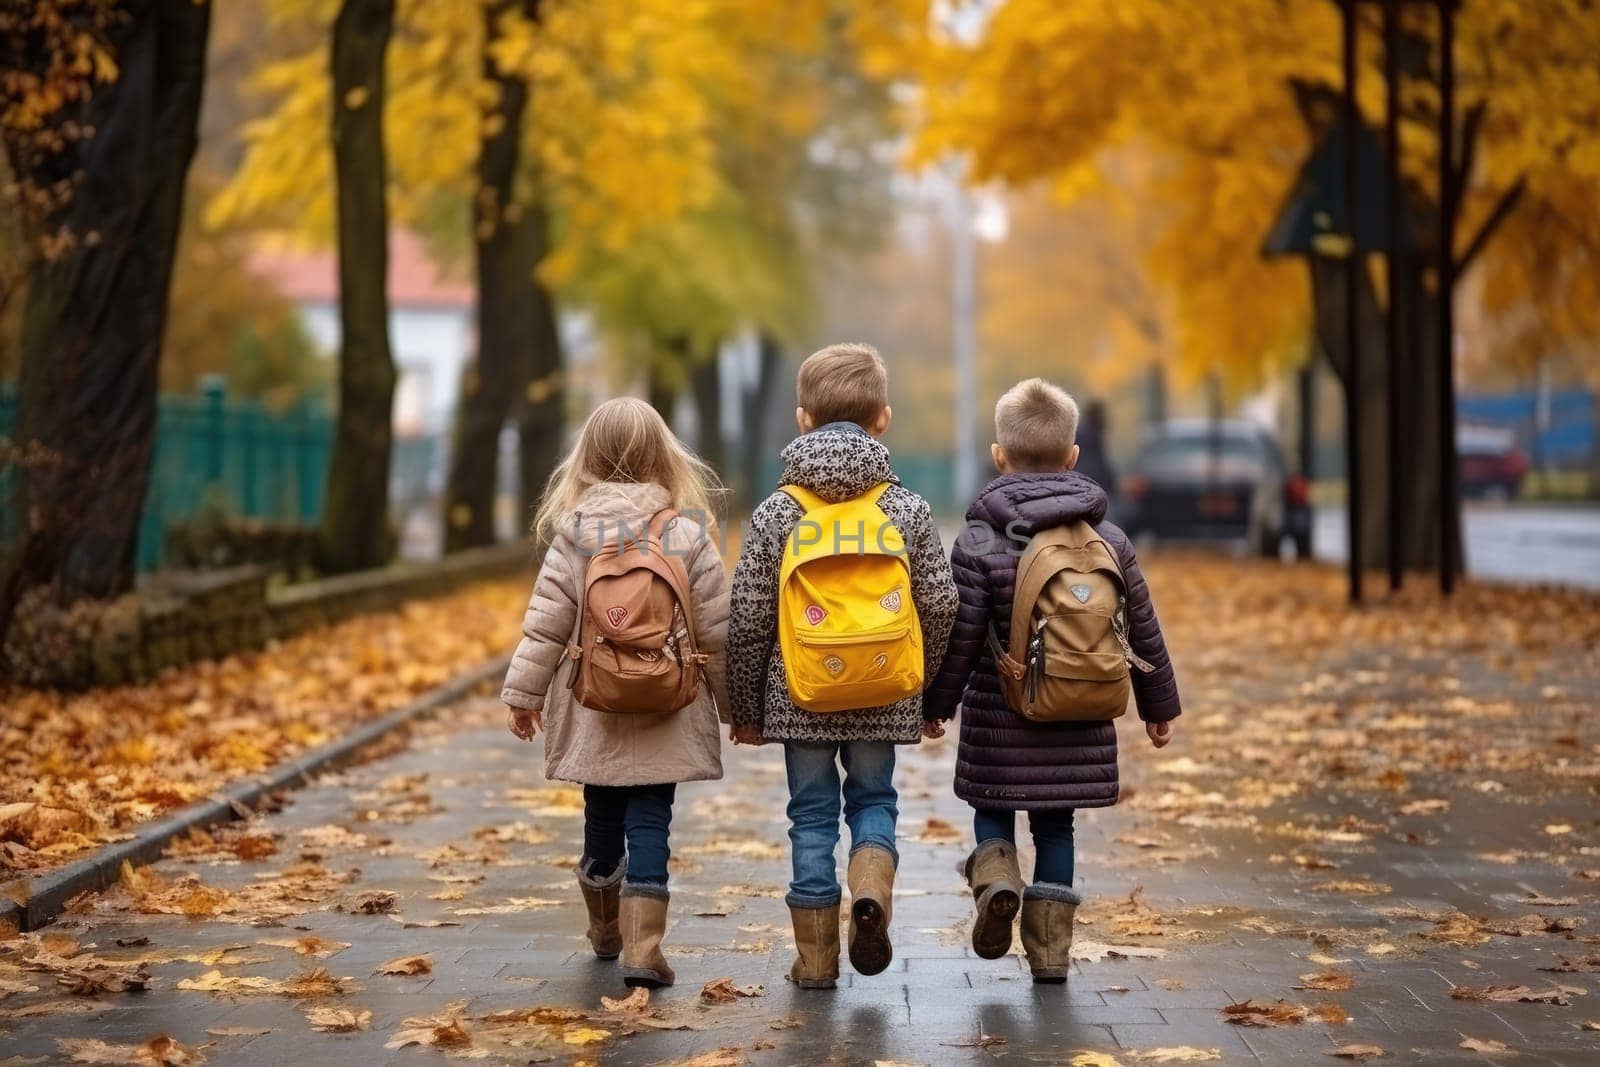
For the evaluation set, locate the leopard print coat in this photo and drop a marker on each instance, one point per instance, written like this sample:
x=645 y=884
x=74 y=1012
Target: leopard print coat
x=837 y=462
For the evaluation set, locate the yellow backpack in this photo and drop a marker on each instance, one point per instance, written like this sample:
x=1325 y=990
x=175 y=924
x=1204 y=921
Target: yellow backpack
x=847 y=625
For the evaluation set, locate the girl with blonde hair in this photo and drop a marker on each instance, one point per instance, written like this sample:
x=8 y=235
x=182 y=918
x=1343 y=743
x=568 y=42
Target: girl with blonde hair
x=625 y=470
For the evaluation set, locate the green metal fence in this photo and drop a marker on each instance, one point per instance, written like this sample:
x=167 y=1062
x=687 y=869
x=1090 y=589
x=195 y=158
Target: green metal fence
x=236 y=458
x=233 y=457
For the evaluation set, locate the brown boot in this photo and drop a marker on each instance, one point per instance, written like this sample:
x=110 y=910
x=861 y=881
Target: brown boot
x=1047 y=914
x=996 y=883
x=871 y=879
x=816 y=936
x=644 y=924
x=601 y=897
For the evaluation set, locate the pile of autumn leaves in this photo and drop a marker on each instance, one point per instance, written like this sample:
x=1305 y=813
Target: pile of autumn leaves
x=79 y=770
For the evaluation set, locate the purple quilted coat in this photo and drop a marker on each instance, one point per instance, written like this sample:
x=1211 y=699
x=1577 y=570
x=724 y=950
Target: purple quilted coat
x=1006 y=761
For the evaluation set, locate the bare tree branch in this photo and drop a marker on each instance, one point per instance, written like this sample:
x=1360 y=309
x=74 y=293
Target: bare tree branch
x=1471 y=126
x=1502 y=210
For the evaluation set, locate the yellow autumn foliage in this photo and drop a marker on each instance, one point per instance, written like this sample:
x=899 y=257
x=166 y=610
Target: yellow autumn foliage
x=1044 y=90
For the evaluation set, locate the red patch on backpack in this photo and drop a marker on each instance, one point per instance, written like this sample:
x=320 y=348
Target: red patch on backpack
x=815 y=614
x=617 y=616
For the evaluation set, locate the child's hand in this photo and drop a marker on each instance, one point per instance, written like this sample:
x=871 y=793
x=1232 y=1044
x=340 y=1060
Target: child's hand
x=932 y=728
x=744 y=735
x=524 y=723
x=1160 y=733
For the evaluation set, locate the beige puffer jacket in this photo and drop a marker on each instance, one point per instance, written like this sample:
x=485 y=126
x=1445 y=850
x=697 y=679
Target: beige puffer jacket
x=593 y=747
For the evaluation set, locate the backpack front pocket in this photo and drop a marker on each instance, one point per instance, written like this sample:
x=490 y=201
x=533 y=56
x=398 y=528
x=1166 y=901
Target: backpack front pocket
x=850 y=671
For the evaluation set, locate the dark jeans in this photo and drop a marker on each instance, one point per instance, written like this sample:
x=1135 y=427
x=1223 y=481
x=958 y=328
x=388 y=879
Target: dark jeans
x=632 y=820
x=1052 y=839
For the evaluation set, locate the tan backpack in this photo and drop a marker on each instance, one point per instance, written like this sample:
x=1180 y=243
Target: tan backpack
x=1069 y=625
x=636 y=651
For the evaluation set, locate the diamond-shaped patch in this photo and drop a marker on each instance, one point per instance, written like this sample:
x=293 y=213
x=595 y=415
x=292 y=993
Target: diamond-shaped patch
x=616 y=616
x=890 y=601
x=815 y=613
x=1082 y=593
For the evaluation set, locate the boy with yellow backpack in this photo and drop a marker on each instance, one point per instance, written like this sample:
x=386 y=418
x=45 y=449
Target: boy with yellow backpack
x=842 y=605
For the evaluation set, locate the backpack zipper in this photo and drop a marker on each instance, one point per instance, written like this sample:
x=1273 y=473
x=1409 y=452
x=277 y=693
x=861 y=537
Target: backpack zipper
x=1119 y=627
x=860 y=638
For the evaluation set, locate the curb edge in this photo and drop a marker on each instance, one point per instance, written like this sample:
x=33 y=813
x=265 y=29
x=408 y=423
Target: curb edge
x=49 y=892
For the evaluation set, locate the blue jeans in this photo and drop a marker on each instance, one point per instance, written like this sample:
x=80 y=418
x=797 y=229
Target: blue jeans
x=1054 y=852
x=870 y=810
x=632 y=820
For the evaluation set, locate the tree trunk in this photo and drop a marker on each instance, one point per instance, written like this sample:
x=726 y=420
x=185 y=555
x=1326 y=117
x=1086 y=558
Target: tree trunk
x=543 y=411
x=505 y=273
x=662 y=389
x=1418 y=457
x=755 y=416
x=1594 y=449
x=1419 y=469
x=95 y=315
x=706 y=382
x=355 y=527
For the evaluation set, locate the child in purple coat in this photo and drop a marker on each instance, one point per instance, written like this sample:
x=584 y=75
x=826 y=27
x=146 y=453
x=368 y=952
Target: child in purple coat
x=1006 y=763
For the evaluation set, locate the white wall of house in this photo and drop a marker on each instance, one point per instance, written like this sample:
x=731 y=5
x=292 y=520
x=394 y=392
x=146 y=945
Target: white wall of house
x=430 y=345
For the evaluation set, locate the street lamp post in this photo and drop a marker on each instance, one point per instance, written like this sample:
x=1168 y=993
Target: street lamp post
x=964 y=343
x=1352 y=323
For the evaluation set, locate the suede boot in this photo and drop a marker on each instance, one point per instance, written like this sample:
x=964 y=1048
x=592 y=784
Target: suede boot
x=816 y=937
x=1048 y=911
x=602 y=897
x=996 y=883
x=871 y=880
x=644 y=924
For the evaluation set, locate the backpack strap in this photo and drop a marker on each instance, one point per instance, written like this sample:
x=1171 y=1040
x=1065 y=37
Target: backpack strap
x=807 y=500
x=810 y=501
x=659 y=523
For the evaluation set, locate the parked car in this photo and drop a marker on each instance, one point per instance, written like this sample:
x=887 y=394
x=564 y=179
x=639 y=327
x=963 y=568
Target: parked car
x=1491 y=466
x=1216 y=481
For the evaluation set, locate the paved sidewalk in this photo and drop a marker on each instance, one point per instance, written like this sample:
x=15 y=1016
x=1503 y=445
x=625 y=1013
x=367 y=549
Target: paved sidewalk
x=1307 y=830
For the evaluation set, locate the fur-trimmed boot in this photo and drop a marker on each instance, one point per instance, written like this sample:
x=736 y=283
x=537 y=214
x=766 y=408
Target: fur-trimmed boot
x=1048 y=910
x=996 y=883
x=816 y=937
x=601 y=897
x=644 y=924
x=871 y=880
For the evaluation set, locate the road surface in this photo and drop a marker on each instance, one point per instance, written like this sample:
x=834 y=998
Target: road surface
x=1558 y=544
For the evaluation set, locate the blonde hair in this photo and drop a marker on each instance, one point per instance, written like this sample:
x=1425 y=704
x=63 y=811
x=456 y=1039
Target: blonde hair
x=1036 y=423
x=626 y=440
x=844 y=383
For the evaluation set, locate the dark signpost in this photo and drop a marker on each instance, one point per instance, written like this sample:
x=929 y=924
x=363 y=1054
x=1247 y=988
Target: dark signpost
x=1344 y=188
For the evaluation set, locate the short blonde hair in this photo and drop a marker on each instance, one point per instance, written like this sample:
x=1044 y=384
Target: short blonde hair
x=1036 y=423
x=844 y=383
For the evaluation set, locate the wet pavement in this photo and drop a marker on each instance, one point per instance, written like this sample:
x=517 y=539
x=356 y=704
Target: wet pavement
x=1306 y=830
x=1508 y=542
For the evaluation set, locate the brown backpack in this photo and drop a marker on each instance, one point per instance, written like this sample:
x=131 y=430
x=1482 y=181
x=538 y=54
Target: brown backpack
x=1069 y=625
x=636 y=651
